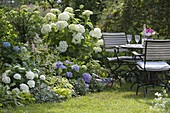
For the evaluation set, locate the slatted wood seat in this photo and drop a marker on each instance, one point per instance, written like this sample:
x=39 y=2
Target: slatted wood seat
x=155 y=56
x=112 y=42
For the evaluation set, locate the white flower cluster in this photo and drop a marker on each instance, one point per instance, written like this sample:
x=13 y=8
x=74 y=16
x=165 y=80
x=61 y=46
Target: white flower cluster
x=68 y=9
x=17 y=76
x=53 y=10
x=97 y=49
x=50 y=17
x=23 y=49
x=77 y=38
x=62 y=46
x=16 y=90
x=77 y=27
x=5 y=78
x=24 y=88
x=42 y=77
x=60 y=25
x=31 y=83
x=96 y=33
x=64 y=16
x=53 y=25
x=99 y=43
x=87 y=13
x=30 y=75
x=46 y=29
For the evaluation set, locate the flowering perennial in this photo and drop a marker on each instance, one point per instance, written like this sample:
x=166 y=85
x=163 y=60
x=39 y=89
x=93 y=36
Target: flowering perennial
x=6 y=44
x=62 y=46
x=17 y=76
x=86 y=77
x=96 y=33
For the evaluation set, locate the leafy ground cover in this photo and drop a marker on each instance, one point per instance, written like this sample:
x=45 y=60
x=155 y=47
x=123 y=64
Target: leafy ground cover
x=111 y=100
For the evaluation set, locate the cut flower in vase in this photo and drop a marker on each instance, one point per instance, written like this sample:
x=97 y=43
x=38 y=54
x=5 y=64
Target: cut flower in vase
x=148 y=32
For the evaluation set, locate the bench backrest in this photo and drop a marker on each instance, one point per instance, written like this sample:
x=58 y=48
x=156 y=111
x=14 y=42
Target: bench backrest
x=112 y=40
x=157 y=50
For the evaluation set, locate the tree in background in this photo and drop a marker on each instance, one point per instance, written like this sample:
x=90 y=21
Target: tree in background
x=130 y=15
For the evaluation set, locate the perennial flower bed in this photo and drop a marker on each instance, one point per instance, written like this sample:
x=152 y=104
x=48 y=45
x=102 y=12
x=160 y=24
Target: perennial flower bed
x=51 y=59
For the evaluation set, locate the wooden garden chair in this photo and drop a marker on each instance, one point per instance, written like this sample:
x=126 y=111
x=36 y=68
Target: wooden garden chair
x=154 y=64
x=112 y=42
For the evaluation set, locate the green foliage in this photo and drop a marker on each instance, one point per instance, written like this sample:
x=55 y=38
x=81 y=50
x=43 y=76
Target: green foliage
x=43 y=93
x=8 y=98
x=61 y=86
x=25 y=20
x=130 y=15
x=79 y=87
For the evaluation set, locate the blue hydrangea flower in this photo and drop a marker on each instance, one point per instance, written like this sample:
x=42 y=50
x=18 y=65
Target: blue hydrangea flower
x=16 y=48
x=6 y=44
x=86 y=77
x=69 y=74
x=75 y=68
x=60 y=65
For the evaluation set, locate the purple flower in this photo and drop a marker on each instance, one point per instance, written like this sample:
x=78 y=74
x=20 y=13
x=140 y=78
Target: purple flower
x=60 y=65
x=16 y=48
x=86 y=77
x=68 y=62
x=87 y=85
x=75 y=68
x=69 y=74
x=6 y=44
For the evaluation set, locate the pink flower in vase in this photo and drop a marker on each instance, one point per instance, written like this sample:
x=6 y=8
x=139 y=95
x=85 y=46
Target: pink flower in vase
x=149 y=32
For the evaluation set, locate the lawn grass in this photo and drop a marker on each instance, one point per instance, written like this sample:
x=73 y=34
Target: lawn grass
x=111 y=100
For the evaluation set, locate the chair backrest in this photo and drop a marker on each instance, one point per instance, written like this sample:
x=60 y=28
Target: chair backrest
x=157 y=50
x=112 y=40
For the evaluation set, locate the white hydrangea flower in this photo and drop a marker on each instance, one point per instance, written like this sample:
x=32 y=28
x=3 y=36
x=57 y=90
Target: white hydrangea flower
x=81 y=6
x=42 y=77
x=72 y=27
x=24 y=88
x=63 y=16
x=99 y=43
x=54 y=10
x=6 y=79
x=77 y=38
x=77 y=27
x=16 y=90
x=62 y=46
x=17 y=76
x=80 y=28
x=68 y=9
x=36 y=75
x=23 y=49
x=87 y=13
x=31 y=83
x=61 y=25
x=84 y=67
x=53 y=25
x=96 y=33
x=50 y=16
x=30 y=75
x=97 y=49
x=46 y=29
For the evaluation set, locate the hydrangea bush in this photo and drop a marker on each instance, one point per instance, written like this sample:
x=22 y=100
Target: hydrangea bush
x=71 y=36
